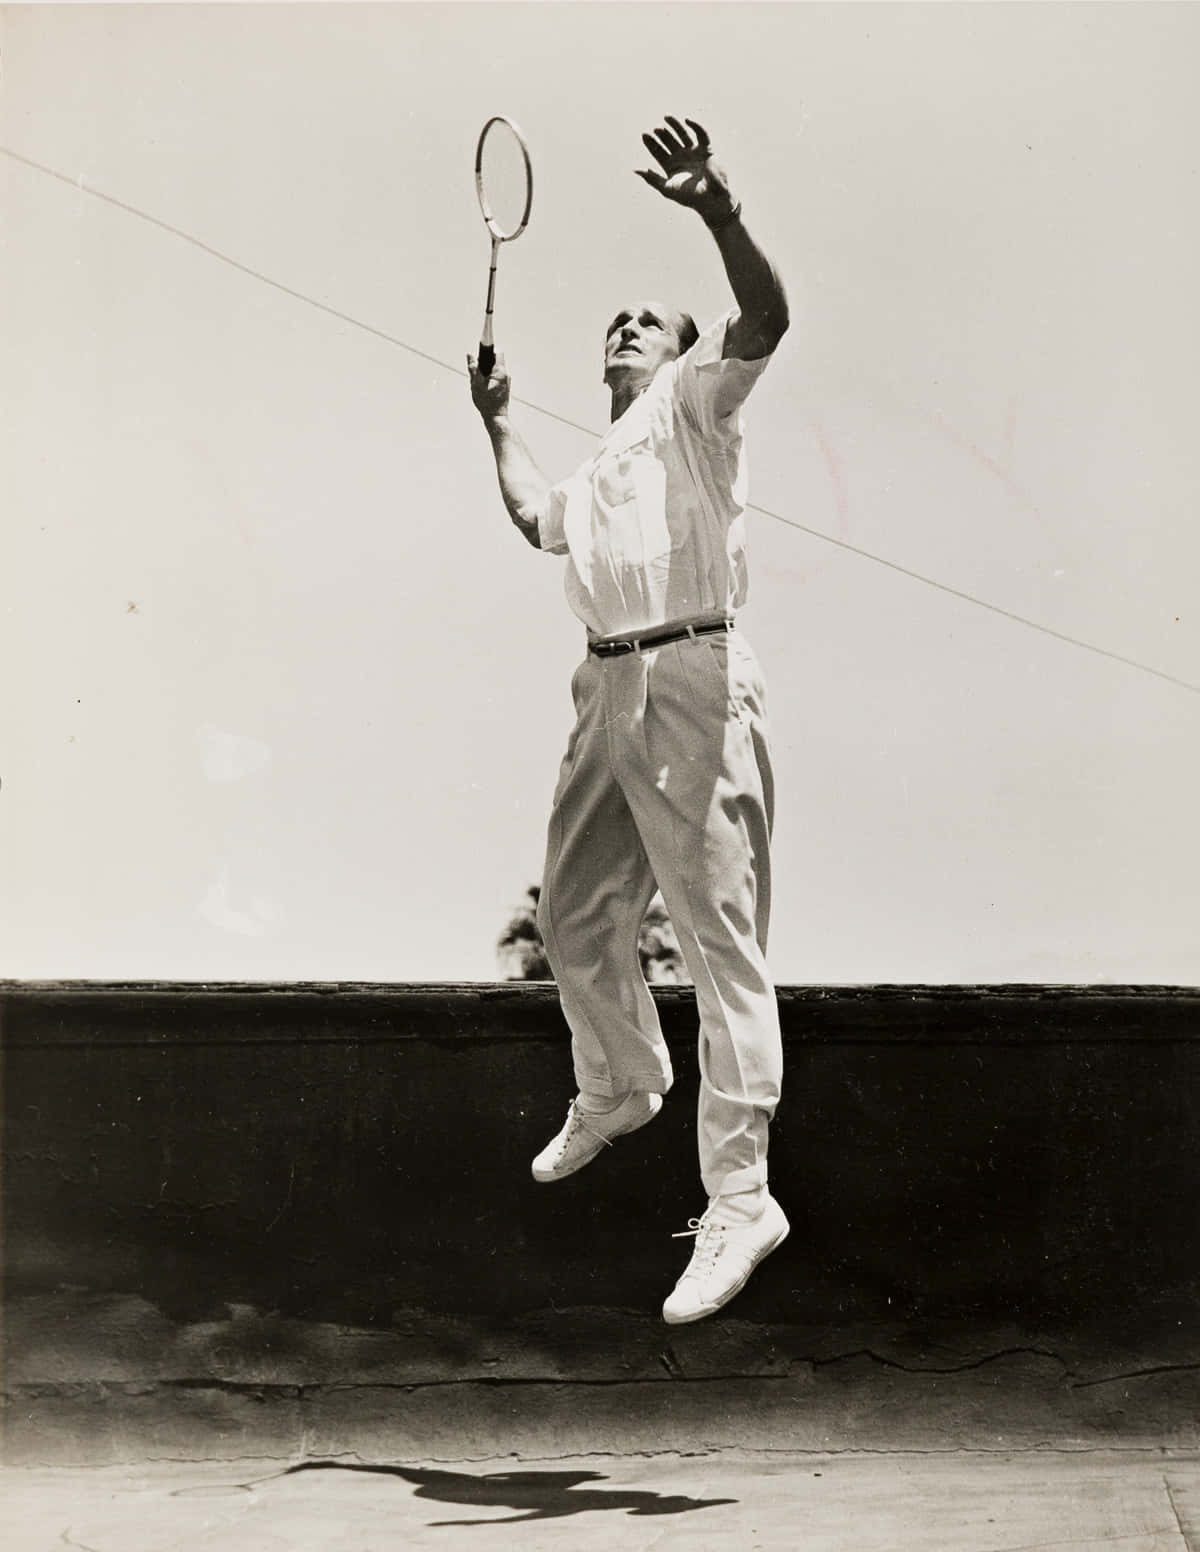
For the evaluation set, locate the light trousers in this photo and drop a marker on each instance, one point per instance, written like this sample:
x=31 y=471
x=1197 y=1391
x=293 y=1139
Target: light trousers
x=667 y=781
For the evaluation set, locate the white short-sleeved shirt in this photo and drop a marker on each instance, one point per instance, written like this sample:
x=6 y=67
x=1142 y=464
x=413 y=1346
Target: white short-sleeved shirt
x=652 y=523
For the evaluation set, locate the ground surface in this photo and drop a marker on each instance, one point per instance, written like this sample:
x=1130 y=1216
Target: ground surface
x=128 y=1431
x=953 y=1501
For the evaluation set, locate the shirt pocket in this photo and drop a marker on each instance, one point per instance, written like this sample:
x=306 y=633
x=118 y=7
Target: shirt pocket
x=629 y=485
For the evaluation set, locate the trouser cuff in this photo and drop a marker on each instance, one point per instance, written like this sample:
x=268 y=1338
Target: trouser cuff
x=629 y=1083
x=739 y=1180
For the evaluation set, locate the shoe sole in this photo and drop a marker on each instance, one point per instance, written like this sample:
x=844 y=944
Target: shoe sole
x=547 y=1179
x=711 y=1309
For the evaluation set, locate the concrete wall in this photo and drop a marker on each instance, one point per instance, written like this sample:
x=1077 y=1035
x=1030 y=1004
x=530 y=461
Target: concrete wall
x=334 y=1153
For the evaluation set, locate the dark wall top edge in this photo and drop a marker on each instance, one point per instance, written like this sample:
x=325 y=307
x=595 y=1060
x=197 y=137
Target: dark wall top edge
x=92 y=1014
x=872 y=991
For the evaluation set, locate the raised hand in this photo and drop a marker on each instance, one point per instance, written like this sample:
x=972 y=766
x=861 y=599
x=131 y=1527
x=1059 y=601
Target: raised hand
x=689 y=175
x=490 y=391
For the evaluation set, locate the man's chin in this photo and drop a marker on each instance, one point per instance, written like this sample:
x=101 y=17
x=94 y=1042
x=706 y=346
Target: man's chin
x=626 y=372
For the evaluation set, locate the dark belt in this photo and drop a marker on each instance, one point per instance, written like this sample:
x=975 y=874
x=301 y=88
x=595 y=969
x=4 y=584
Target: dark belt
x=659 y=638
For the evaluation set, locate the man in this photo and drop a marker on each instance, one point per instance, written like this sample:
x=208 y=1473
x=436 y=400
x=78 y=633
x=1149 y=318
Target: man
x=666 y=778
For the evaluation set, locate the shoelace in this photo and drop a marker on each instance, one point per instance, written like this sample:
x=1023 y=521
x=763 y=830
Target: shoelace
x=575 y=1122
x=710 y=1242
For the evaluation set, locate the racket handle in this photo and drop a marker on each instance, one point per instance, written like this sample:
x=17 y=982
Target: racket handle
x=487 y=359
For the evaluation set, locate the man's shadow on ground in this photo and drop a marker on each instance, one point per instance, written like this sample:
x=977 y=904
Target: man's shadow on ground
x=540 y=1495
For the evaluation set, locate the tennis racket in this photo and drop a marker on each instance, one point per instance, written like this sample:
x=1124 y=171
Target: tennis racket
x=504 y=184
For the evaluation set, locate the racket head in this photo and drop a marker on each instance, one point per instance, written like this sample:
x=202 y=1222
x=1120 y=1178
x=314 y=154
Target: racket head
x=503 y=178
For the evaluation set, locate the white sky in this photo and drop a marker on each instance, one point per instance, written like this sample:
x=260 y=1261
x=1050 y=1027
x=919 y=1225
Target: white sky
x=285 y=695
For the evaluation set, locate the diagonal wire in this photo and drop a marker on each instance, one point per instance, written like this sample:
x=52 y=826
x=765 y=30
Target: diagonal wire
x=255 y=274
x=424 y=355
x=982 y=603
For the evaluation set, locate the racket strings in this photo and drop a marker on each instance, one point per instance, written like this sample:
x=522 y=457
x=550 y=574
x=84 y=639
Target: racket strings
x=503 y=178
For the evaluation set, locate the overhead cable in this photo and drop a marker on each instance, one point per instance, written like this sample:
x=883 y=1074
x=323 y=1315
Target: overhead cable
x=424 y=355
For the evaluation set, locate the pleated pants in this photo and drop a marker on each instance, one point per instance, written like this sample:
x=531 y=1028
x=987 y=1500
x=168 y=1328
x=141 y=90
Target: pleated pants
x=667 y=781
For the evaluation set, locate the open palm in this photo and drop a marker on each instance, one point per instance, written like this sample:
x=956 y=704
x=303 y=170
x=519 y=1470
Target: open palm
x=689 y=175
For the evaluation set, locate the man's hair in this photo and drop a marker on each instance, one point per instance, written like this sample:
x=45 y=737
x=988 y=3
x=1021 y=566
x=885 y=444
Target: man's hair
x=687 y=331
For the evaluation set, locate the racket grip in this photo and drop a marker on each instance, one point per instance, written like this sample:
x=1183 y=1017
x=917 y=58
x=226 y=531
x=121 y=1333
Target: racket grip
x=487 y=359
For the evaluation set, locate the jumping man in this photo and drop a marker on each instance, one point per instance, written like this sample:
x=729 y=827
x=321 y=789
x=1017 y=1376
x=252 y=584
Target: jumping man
x=666 y=781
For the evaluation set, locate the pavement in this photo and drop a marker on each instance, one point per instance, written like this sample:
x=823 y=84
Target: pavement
x=953 y=1501
x=128 y=1429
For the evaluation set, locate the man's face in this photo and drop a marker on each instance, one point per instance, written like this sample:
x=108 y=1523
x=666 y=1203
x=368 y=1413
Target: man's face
x=639 y=340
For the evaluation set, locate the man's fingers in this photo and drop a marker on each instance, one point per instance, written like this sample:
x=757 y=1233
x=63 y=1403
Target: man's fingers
x=680 y=143
x=663 y=158
x=703 y=142
x=681 y=134
x=673 y=150
x=669 y=143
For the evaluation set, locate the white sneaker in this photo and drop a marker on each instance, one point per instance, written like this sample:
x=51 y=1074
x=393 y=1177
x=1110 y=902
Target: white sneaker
x=585 y=1134
x=724 y=1257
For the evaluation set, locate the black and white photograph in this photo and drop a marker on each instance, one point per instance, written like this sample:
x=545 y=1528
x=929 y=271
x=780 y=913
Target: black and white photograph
x=599 y=874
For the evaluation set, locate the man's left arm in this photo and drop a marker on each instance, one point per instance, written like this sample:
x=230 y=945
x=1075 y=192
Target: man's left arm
x=690 y=177
x=762 y=318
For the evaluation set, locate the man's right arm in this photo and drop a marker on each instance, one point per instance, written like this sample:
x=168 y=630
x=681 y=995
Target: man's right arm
x=523 y=486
